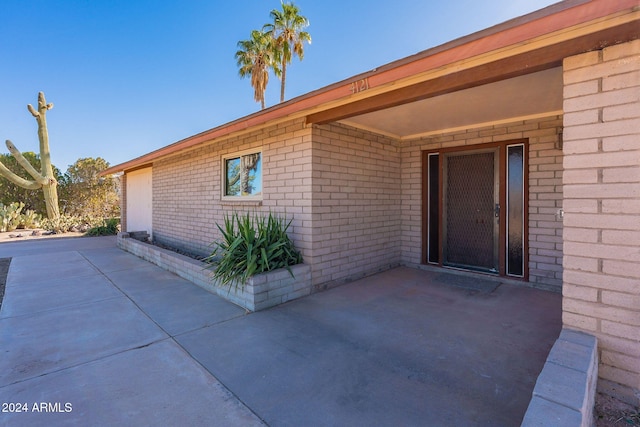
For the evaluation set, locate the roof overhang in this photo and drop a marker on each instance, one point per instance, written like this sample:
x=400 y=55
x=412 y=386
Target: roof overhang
x=518 y=51
x=524 y=97
x=524 y=57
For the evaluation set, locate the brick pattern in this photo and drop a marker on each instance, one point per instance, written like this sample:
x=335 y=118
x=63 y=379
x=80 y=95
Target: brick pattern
x=565 y=391
x=273 y=288
x=187 y=187
x=344 y=197
x=545 y=190
x=356 y=204
x=602 y=209
x=261 y=292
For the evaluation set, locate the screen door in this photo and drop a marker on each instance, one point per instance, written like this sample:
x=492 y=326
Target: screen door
x=471 y=210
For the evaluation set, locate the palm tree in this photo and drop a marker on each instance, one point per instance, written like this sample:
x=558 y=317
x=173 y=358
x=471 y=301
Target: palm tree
x=254 y=57
x=287 y=32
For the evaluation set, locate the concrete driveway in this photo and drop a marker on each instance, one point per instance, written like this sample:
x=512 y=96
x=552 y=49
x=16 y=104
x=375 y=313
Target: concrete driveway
x=92 y=334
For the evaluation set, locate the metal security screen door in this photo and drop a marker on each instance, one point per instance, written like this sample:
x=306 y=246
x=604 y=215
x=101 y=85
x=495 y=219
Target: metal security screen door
x=471 y=210
x=475 y=212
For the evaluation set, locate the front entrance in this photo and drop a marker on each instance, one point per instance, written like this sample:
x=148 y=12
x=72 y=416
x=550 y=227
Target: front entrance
x=471 y=210
x=474 y=208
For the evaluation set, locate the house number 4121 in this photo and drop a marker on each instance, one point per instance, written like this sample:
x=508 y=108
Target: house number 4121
x=360 y=85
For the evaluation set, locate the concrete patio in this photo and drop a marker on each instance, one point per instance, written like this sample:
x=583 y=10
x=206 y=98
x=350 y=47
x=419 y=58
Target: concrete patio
x=126 y=343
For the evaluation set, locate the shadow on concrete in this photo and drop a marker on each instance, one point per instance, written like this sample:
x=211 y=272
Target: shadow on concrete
x=126 y=343
x=403 y=347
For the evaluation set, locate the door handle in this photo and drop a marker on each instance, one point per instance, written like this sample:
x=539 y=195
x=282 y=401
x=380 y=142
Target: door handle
x=496 y=211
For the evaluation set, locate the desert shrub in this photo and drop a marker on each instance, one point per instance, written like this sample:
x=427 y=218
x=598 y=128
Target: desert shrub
x=10 y=216
x=109 y=227
x=29 y=219
x=251 y=245
x=62 y=224
x=66 y=223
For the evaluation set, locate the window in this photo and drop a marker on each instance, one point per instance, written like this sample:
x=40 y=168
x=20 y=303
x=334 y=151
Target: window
x=433 y=187
x=515 y=209
x=242 y=176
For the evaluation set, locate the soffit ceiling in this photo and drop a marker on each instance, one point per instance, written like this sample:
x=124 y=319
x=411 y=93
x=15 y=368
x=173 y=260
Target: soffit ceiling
x=520 y=97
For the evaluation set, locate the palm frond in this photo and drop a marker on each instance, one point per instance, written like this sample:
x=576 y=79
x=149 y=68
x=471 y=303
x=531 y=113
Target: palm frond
x=254 y=58
x=287 y=32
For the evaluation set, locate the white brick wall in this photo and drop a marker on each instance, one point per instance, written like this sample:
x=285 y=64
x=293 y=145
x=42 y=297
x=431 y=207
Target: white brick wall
x=602 y=209
x=545 y=190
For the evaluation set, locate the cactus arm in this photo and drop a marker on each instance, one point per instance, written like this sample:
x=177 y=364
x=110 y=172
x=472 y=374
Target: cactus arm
x=25 y=164
x=32 y=110
x=42 y=105
x=30 y=185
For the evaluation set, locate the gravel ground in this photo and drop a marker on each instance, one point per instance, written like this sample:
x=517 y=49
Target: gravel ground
x=4 y=270
x=610 y=412
x=31 y=234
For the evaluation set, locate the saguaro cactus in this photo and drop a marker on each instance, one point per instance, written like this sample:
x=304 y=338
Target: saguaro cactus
x=45 y=178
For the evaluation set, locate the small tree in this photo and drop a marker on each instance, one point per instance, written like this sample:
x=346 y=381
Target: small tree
x=45 y=179
x=86 y=194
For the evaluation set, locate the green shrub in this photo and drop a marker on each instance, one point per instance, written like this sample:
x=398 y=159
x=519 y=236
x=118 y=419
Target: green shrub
x=109 y=227
x=251 y=245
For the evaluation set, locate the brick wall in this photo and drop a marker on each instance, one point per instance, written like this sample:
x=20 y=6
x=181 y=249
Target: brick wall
x=187 y=189
x=545 y=190
x=350 y=212
x=356 y=204
x=602 y=209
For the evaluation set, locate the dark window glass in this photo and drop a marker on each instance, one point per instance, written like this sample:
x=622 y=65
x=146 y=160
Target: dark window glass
x=433 y=252
x=515 y=208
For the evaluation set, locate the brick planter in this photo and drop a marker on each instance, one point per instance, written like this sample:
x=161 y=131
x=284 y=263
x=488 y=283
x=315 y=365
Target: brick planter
x=262 y=291
x=565 y=391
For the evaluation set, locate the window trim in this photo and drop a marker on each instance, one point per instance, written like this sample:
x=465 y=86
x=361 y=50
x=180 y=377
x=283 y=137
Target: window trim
x=223 y=175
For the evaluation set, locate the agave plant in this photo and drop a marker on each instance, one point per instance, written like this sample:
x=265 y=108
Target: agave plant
x=251 y=245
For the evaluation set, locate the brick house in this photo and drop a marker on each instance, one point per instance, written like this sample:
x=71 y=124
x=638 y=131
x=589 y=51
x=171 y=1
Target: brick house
x=512 y=152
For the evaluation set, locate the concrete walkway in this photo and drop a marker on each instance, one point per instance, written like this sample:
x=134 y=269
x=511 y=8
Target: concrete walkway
x=104 y=338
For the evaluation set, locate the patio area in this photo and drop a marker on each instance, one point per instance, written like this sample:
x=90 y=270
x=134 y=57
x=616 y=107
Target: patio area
x=130 y=344
x=403 y=347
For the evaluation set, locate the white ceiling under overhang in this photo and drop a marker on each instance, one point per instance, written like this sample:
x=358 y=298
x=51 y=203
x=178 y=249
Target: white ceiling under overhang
x=527 y=96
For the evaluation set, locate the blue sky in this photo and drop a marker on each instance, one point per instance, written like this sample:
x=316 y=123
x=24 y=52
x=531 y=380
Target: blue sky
x=130 y=76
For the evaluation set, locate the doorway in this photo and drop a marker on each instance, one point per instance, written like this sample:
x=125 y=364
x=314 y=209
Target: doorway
x=471 y=210
x=139 y=200
x=474 y=211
